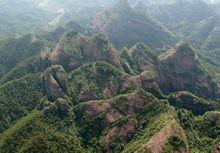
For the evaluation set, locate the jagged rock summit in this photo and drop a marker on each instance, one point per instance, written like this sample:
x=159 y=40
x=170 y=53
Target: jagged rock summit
x=181 y=70
x=74 y=49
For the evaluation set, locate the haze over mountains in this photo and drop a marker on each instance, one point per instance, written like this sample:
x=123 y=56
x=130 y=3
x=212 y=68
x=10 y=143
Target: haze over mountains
x=109 y=76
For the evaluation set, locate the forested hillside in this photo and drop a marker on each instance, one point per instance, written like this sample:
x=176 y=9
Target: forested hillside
x=109 y=76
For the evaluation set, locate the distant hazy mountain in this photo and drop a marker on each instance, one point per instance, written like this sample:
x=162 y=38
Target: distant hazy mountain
x=18 y=17
x=181 y=12
x=117 y=20
x=98 y=83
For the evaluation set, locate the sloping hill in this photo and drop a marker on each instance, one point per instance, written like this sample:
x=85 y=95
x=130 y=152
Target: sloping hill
x=117 y=20
x=139 y=58
x=18 y=98
x=180 y=70
x=181 y=11
x=39 y=133
x=13 y=51
x=18 y=17
x=75 y=49
x=117 y=120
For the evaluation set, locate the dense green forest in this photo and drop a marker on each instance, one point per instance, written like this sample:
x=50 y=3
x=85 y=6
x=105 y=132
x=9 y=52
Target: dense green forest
x=122 y=76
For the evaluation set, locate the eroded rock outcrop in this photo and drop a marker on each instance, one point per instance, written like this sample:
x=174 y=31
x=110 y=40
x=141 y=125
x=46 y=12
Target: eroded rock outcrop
x=118 y=116
x=216 y=148
x=75 y=49
x=100 y=80
x=171 y=132
x=181 y=70
x=55 y=82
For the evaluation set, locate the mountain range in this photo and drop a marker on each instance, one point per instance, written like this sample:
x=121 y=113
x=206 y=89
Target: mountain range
x=124 y=76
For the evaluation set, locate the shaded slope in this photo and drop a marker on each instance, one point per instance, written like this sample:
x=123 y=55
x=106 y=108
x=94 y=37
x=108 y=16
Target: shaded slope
x=139 y=58
x=188 y=101
x=39 y=133
x=18 y=98
x=116 y=21
x=14 y=51
x=75 y=49
x=181 y=70
x=100 y=80
x=178 y=12
x=117 y=120
x=31 y=65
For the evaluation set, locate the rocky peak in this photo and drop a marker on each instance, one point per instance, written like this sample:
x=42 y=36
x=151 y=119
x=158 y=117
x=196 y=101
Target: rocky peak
x=75 y=49
x=181 y=70
x=182 y=57
x=185 y=48
x=55 y=82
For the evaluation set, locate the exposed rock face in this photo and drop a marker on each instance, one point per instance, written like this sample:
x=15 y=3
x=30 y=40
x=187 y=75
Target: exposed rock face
x=75 y=49
x=120 y=115
x=100 y=80
x=157 y=143
x=217 y=148
x=182 y=56
x=83 y=97
x=55 y=82
x=62 y=105
x=180 y=70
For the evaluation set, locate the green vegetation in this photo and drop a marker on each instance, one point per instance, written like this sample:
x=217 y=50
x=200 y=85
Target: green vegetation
x=174 y=143
x=22 y=17
x=138 y=59
x=39 y=133
x=96 y=80
x=200 y=139
x=31 y=65
x=14 y=51
x=149 y=114
x=18 y=98
x=150 y=126
x=211 y=121
x=190 y=102
x=65 y=88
